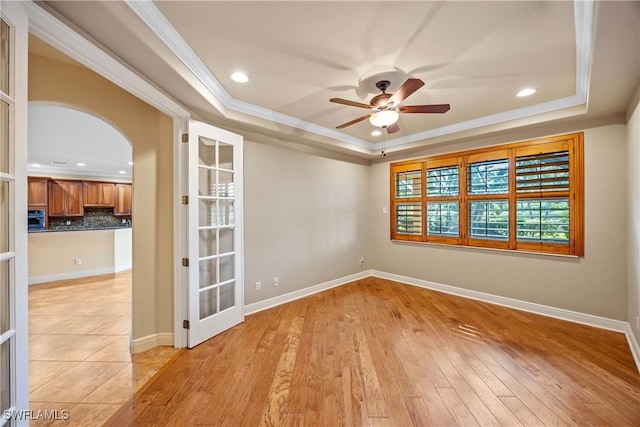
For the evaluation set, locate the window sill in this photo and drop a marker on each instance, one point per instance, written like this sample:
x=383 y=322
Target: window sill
x=483 y=249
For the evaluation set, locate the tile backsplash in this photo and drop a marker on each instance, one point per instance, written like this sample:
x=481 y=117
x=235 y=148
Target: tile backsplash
x=94 y=218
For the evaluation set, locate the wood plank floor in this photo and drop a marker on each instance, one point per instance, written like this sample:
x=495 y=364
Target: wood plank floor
x=375 y=352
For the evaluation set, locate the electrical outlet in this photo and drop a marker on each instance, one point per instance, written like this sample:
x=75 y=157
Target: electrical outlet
x=78 y=261
x=258 y=286
x=361 y=261
x=275 y=281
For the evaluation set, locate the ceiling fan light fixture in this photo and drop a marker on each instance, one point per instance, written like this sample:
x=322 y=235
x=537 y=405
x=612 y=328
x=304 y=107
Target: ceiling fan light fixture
x=384 y=118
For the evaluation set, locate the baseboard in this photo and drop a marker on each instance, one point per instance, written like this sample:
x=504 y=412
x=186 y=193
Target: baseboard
x=292 y=296
x=633 y=345
x=545 y=310
x=71 y=275
x=152 y=341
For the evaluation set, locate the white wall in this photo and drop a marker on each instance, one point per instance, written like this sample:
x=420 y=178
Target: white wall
x=305 y=219
x=122 y=250
x=633 y=195
x=595 y=284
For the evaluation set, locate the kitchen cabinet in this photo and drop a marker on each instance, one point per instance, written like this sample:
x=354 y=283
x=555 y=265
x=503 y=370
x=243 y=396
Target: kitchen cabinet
x=37 y=193
x=65 y=198
x=99 y=194
x=123 y=200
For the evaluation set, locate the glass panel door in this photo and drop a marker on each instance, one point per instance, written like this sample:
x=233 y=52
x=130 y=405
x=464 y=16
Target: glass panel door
x=215 y=244
x=13 y=228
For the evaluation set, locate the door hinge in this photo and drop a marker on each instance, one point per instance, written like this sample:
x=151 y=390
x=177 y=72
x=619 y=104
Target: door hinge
x=185 y=200
x=185 y=137
x=185 y=324
x=185 y=262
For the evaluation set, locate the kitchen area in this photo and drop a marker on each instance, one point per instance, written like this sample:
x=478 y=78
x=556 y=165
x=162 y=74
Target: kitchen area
x=77 y=228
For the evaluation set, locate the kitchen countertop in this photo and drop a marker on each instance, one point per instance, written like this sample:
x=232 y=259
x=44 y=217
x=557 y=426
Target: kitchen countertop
x=80 y=229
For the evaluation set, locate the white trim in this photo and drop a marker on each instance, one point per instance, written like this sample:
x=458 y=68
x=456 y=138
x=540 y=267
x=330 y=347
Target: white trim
x=292 y=296
x=633 y=345
x=71 y=275
x=53 y=31
x=583 y=22
x=179 y=236
x=152 y=341
x=544 y=310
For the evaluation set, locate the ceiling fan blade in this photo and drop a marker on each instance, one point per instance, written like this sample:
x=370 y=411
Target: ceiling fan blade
x=434 y=108
x=350 y=103
x=353 y=122
x=405 y=90
x=393 y=128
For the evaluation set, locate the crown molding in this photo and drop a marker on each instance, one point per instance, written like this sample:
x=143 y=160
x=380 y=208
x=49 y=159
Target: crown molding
x=583 y=20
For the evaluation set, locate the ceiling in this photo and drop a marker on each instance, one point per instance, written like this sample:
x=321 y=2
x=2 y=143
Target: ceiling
x=64 y=141
x=583 y=61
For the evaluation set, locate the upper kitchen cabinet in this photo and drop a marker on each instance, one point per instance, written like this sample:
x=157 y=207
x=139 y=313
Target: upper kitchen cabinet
x=123 y=200
x=66 y=198
x=99 y=194
x=37 y=193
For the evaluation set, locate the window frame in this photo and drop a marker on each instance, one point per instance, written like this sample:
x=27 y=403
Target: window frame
x=572 y=143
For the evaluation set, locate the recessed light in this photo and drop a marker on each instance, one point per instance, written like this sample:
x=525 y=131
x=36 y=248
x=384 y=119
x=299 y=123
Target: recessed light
x=130 y=163
x=36 y=165
x=122 y=172
x=526 y=92
x=80 y=164
x=239 y=77
x=58 y=163
x=376 y=133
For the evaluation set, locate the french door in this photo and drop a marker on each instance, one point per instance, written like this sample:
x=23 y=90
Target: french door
x=215 y=243
x=14 y=393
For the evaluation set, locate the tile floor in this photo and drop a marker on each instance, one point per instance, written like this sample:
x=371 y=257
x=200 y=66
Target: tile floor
x=79 y=333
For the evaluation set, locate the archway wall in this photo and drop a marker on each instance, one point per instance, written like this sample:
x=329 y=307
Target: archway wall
x=151 y=134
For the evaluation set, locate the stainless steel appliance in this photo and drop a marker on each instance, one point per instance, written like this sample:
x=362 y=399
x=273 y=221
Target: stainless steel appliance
x=36 y=219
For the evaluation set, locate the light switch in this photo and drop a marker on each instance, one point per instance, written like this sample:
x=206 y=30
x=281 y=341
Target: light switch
x=384 y=209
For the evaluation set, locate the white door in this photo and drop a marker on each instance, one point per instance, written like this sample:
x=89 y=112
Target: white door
x=215 y=250
x=14 y=386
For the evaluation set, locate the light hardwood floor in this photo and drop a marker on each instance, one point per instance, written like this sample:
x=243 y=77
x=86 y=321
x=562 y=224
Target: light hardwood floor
x=375 y=352
x=79 y=333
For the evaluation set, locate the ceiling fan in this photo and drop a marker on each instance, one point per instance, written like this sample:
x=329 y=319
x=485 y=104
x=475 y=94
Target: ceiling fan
x=385 y=109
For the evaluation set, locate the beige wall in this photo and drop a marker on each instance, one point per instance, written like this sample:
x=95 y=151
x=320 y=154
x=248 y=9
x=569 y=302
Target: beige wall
x=305 y=219
x=595 y=284
x=151 y=135
x=633 y=195
x=53 y=254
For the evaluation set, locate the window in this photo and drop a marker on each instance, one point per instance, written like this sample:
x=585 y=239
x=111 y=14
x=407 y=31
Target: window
x=526 y=196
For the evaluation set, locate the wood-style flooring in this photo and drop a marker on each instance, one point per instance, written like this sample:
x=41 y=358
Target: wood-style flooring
x=375 y=352
x=79 y=357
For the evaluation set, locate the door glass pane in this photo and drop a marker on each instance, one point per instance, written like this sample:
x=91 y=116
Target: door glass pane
x=5 y=294
x=225 y=213
x=4 y=137
x=206 y=152
x=225 y=185
x=5 y=56
x=208 y=212
x=226 y=268
x=207 y=182
x=4 y=216
x=208 y=302
x=226 y=240
x=227 y=293
x=225 y=151
x=208 y=242
x=208 y=272
x=5 y=374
